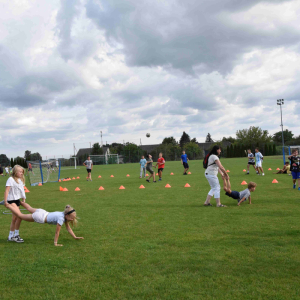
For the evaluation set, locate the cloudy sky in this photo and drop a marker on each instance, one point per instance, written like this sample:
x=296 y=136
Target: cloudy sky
x=71 y=68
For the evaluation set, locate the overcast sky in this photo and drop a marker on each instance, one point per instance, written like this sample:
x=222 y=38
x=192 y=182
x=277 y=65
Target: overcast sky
x=71 y=68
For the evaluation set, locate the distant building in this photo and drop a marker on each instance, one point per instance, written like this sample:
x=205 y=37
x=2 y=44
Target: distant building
x=88 y=151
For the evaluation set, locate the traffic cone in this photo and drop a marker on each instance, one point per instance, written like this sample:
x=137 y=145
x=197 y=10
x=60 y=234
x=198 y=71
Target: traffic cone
x=127 y=175
x=73 y=178
x=142 y=187
x=112 y=176
x=244 y=170
x=101 y=188
x=156 y=174
x=61 y=189
x=100 y=176
x=274 y=181
x=65 y=190
x=172 y=174
x=27 y=191
x=244 y=183
x=78 y=177
x=167 y=186
x=148 y=175
x=277 y=169
x=189 y=173
x=228 y=171
x=187 y=185
x=40 y=184
x=121 y=187
x=64 y=180
x=269 y=169
x=77 y=189
x=59 y=180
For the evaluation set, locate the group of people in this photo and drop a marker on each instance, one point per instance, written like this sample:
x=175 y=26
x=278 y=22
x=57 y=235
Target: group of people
x=257 y=163
x=14 y=196
x=7 y=169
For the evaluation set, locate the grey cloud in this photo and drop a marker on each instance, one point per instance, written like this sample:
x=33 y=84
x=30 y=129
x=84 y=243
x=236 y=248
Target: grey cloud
x=183 y=35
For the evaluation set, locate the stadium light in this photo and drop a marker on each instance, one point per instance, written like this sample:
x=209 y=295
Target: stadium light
x=280 y=102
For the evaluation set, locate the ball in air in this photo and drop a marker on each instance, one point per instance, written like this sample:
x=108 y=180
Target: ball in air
x=147 y=135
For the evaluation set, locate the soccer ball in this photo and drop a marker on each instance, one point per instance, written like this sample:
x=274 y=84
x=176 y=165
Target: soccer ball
x=147 y=135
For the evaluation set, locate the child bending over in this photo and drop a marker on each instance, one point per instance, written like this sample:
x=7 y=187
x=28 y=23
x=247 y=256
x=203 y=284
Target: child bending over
x=239 y=196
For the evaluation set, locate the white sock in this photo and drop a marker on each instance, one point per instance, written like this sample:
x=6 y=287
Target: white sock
x=16 y=232
x=11 y=234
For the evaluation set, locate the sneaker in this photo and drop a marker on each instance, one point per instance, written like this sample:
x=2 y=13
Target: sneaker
x=298 y=188
x=247 y=173
x=154 y=181
x=12 y=239
x=263 y=174
x=18 y=239
x=294 y=186
x=184 y=173
x=159 y=179
x=147 y=180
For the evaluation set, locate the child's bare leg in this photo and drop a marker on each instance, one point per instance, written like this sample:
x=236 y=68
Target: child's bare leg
x=16 y=212
x=207 y=201
x=28 y=207
x=248 y=167
x=224 y=184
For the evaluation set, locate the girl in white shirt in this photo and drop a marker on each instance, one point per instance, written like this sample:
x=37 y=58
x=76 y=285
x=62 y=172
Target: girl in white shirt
x=57 y=218
x=14 y=192
x=214 y=167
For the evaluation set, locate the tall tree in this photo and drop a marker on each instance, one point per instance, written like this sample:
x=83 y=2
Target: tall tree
x=194 y=140
x=35 y=156
x=169 y=140
x=253 y=135
x=185 y=138
x=4 y=161
x=96 y=149
x=228 y=139
x=193 y=150
x=287 y=135
x=208 y=139
x=27 y=154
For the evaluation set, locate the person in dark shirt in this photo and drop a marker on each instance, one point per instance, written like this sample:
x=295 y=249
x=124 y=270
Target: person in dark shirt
x=295 y=167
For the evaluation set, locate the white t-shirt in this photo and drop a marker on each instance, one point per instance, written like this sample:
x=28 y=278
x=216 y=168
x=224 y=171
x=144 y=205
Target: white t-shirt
x=16 y=191
x=212 y=168
x=57 y=164
x=6 y=170
x=88 y=164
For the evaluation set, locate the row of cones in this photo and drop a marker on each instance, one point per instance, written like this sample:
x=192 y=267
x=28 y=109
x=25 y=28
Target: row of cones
x=268 y=169
x=101 y=188
x=245 y=183
x=146 y=175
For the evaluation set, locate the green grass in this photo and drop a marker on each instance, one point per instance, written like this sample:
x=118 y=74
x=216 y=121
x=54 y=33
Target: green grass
x=158 y=243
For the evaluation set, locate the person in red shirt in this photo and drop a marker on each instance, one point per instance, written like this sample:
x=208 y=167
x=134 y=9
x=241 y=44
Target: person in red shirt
x=161 y=164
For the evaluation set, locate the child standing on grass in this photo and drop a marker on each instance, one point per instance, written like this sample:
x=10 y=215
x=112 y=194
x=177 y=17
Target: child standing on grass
x=161 y=164
x=57 y=218
x=259 y=159
x=149 y=168
x=250 y=161
x=14 y=191
x=239 y=196
x=143 y=164
x=89 y=167
x=7 y=170
x=295 y=168
x=184 y=161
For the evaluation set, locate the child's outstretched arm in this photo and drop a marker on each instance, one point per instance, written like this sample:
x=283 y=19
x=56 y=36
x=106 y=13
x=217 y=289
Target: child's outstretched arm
x=58 y=227
x=72 y=233
x=250 y=200
x=243 y=199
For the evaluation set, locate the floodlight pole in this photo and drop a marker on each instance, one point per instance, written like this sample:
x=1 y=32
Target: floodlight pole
x=280 y=102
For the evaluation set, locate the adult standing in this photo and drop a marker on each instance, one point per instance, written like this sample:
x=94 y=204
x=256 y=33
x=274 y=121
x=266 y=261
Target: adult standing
x=143 y=163
x=89 y=167
x=295 y=167
x=184 y=161
x=214 y=167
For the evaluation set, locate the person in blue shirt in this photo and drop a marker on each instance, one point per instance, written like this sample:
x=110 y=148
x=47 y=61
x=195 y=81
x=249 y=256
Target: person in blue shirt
x=184 y=161
x=143 y=163
x=57 y=218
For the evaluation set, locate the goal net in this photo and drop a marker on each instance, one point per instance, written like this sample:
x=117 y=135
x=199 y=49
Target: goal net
x=42 y=172
x=105 y=159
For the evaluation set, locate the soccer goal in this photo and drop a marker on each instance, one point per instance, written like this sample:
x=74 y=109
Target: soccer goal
x=42 y=172
x=105 y=159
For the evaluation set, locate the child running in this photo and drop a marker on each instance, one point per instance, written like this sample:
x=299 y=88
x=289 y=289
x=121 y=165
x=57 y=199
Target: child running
x=184 y=161
x=239 y=196
x=57 y=218
x=259 y=159
x=161 y=164
x=14 y=191
x=89 y=167
x=250 y=161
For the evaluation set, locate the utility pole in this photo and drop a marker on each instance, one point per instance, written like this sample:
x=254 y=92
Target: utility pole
x=280 y=102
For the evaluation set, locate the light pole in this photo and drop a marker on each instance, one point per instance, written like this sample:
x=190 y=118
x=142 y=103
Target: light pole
x=280 y=102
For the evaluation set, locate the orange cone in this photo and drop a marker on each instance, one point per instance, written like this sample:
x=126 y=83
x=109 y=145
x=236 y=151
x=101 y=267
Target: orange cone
x=127 y=175
x=77 y=189
x=59 y=180
x=244 y=170
x=121 y=187
x=40 y=184
x=142 y=187
x=64 y=180
x=189 y=173
x=100 y=176
x=172 y=174
x=244 y=183
x=101 y=188
x=156 y=174
x=65 y=190
x=27 y=191
x=78 y=177
x=228 y=171
x=269 y=169
x=112 y=176
x=167 y=186
x=148 y=175
x=277 y=169
x=187 y=185
x=61 y=189
x=73 y=178
x=274 y=181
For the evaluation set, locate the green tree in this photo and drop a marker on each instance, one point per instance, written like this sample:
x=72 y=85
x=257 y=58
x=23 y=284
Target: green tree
x=193 y=150
x=169 y=140
x=35 y=156
x=194 y=140
x=27 y=154
x=185 y=138
x=12 y=162
x=274 y=149
x=287 y=135
x=96 y=149
x=4 y=161
x=253 y=135
x=231 y=151
x=228 y=139
x=228 y=151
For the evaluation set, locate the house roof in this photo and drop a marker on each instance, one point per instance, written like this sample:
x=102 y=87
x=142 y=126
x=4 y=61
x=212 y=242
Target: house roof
x=88 y=151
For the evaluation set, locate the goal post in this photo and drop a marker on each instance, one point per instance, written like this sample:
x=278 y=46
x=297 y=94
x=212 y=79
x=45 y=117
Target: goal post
x=288 y=150
x=43 y=171
x=105 y=159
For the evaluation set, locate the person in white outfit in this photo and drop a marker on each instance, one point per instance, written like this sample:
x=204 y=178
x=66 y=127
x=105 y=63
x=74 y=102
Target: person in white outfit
x=214 y=167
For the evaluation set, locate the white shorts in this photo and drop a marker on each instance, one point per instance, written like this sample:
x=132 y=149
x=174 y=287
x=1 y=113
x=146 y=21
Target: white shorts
x=39 y=215
x=258 y=164
x=214 y=184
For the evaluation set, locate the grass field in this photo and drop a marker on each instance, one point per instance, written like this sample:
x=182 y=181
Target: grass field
x=158 y=243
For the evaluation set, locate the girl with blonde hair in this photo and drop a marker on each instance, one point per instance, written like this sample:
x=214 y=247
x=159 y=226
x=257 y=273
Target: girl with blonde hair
x=57 y=218
x=14 y=192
